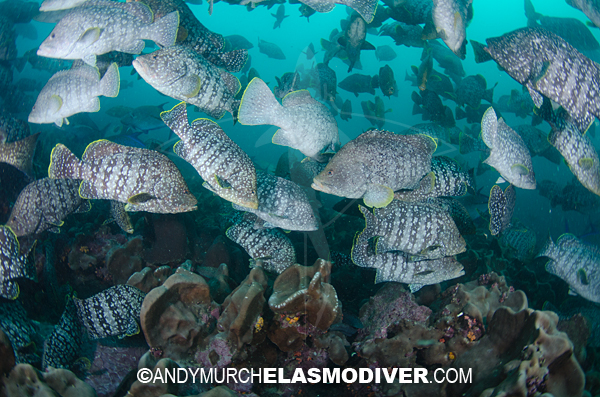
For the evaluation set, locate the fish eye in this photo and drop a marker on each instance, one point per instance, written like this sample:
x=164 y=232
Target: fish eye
x=330 y=172
x=53 y=35
x=153 y=56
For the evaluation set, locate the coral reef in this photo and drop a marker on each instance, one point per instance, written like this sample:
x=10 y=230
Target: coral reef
x=67 y=384
x=123 y=261
x=178 y=315
x=25 y=380
x=149 y=278
x=155 y=388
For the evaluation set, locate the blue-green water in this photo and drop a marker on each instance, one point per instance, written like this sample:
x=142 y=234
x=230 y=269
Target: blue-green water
x=80 y=261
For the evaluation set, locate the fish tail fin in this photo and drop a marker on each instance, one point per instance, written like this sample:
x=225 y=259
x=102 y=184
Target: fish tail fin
x=176 y=119
x=235 y=60
x=64 y=164
x=530 y=13
x=366 y=8
x=110 y=83
x=259 y=105
x=489 y=94
x=164 y=31
x=481 y=55
x=549 y=249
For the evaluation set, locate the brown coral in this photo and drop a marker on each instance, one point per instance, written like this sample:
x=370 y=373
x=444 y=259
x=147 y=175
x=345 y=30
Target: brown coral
x=304 y=290
x=155 y=389
x=149 y=278
x=177 y=315
x=25 y=377
x=67 y=384
x=124 y=261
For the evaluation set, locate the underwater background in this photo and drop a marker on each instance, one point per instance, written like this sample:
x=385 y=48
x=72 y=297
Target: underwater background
x=542 y=339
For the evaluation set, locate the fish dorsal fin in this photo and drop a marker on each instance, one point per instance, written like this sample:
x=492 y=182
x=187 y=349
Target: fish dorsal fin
x=87 y=72
x=232 y=82
x=99 y=149
x=139 y=9
x=90 y=36
x=297 y=98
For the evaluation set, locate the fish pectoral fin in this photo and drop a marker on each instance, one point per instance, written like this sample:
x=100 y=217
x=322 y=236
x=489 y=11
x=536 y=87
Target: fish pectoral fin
x=415 y=287
x=367 y=46
x=543 y=71
x=222 y=182
x=537 y=98
x=90 y=59
x=192 y=85
x=583 y=277
x=572 y=292
x=586 y=163
x=457 y=19
x=520 y=169
x=56 y=102
x=140 y=198
x=378 y=196
x=90 y=36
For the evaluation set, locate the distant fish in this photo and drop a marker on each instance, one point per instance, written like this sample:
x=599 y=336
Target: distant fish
x=271 y=50
x=575 y=262
x=451 y=18
x=447 y=59
x=144 y=118
x=471 y=90
x=44 y=204
x=305 y=124
x=360 y=83
x=501 y=206
x=346 y=110
x=73 y=91
x=411 y=12
x=543 y=62
x=98 y=27
x=239 y=42
x=112 y=312
x=354 y=39
x=521 y=240
x=281 y=203
x=509 y=155
x=144 y=179
x=394 y=266
x=289 y=82
x=13 y=265
x=271 y=246
x=19 y=154
x=366 y=8
x=430 y=106
x=404 y=34
x=387 y=83
x=324 y=81
x=385 y=53
x=226 y=169
x=279 y=16
x=375 y=164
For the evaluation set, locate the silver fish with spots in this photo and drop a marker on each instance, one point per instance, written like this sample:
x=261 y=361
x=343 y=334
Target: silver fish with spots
x=19 y=154
x=112 y=312
x=451 y=18
x=305 y=124
x=13 y=265
x=44 y=204
x=183 y=74
x=281 y=203
x=446 y=179
x=227 y=170
x=575 y=262
x=269 y=245
x=366 y=8
x=421 y=230
x=395 y=266
x=548 y=66
x=98 y=27
x=520 y=240
x=501 y=206
x=143 y=179
x=63 y=346
x=509 y=154
x=74 y=91
x=375 y=164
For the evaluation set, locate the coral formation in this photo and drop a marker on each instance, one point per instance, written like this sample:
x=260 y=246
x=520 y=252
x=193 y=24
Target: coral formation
x=123 y=261
x=177 y=315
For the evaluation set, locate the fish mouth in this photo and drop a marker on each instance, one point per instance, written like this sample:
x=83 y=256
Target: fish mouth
x=248 y=204
x=317 y=185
